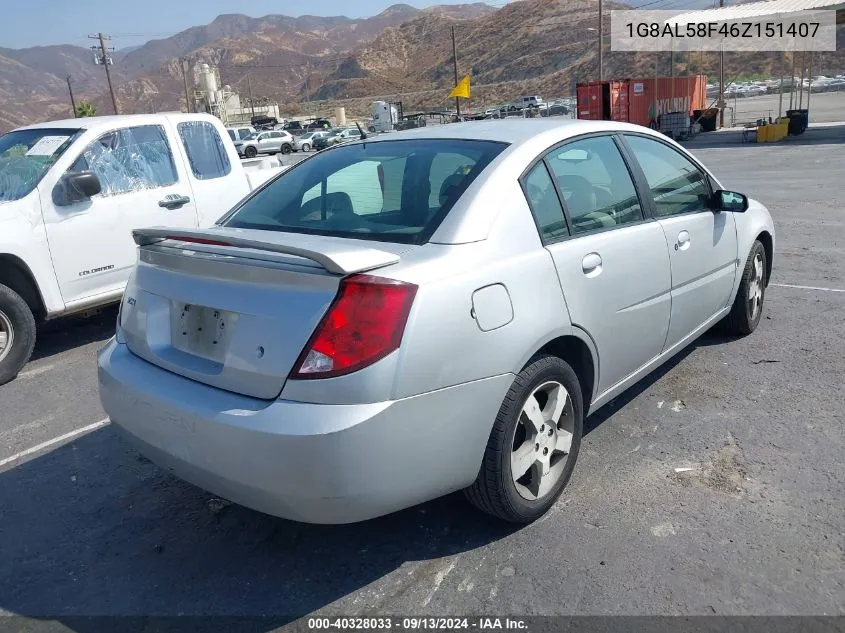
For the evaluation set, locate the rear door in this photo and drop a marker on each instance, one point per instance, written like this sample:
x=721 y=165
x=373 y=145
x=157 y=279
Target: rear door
x=143 y=185
x=611 y=259
x=702 y=244
x=217 y=179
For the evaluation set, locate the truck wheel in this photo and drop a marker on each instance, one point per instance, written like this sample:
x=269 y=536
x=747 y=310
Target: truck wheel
x=286 y=148
x=250 y=152
x=17 y=334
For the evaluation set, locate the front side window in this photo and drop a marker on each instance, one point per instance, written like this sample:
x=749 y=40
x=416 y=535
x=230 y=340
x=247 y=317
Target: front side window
x=676 y=184
x=597 y=188
x=396 y=191
x=204 y=147
x=26 y=155
x=130 y=159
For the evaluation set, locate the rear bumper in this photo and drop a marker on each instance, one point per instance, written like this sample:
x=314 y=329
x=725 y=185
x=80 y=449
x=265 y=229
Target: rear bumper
x=306 y=462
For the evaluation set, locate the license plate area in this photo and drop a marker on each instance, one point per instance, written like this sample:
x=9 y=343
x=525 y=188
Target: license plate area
x=200 y=330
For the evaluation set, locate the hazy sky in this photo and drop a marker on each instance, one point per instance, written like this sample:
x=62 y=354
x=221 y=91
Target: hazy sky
x=34 y=23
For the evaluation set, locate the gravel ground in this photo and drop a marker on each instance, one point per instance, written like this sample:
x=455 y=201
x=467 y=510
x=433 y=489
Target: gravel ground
x=752 y=524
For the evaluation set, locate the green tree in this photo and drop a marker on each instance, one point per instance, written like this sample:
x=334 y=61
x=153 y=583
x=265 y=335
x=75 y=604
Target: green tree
x=85 y=108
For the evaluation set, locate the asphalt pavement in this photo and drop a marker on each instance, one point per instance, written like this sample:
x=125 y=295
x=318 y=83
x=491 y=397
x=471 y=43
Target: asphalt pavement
x=714 y=486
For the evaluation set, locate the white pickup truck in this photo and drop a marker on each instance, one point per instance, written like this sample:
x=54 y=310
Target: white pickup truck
x=72 y=191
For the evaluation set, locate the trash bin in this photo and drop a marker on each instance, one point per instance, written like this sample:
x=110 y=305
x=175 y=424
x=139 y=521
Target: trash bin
x=798 y=121
x=707 y=118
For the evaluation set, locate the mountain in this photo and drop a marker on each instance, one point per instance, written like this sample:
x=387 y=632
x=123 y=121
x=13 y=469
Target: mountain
x=33 y=80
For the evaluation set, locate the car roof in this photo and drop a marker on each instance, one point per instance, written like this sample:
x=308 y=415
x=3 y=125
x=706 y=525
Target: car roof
x=106 y=123
x=512 y=131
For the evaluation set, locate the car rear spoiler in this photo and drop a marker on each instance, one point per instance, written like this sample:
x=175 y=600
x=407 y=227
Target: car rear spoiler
x=336 y=257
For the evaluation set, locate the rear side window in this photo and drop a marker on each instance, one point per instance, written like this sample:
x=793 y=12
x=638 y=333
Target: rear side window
x=597 y=188
x=544 y=203
x=205 y=150
x=130 y=159
x=395 y=191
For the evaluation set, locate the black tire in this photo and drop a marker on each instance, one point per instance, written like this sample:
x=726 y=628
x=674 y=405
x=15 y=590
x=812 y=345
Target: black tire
x=15 y=311
x=250 y=152
x=494 y=490
x=286 y=148
x=306 y=147
x=742 y=320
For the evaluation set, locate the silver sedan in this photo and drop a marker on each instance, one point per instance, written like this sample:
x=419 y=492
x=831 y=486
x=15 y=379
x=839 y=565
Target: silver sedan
x=430 y=311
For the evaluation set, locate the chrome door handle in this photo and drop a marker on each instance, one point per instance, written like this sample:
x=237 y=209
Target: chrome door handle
x=591 y=264
x=173 y=201
x=683 y=241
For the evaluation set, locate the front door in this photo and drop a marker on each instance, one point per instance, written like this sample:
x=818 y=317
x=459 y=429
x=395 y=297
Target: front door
x=702 y=244
x=270 y=142
x=91 y=242
x=612 y=262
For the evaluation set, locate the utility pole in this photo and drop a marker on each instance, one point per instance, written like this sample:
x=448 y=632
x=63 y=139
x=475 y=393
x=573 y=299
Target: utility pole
x=810 y=81
x=72 y=102
x=105 y=60
x=722 y=78
x=185 y=81
x=455 y=58
x=601 y=44
x=249 y=91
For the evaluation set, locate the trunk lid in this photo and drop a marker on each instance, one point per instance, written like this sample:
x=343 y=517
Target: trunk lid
x=234 y=308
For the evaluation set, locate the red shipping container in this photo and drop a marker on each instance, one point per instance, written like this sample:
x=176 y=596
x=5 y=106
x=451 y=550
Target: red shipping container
x=641 y=101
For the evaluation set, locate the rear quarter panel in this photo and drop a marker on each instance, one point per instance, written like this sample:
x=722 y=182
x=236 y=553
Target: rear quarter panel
x=443 y=343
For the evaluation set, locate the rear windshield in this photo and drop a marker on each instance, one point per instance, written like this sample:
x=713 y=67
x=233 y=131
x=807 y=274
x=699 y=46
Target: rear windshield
x=393 y=191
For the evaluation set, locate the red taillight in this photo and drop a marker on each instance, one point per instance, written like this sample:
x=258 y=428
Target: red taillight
x=364 y=324
x=196 y=240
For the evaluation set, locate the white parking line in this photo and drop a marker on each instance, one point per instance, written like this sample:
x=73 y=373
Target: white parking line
x=55 y=440
x=808 y=287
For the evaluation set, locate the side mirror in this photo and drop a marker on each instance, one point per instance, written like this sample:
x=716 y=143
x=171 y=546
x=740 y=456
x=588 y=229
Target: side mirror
x=76 y=187
x=730 y=201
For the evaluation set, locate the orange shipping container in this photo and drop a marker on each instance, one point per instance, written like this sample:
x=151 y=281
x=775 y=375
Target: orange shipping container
x=641 y=101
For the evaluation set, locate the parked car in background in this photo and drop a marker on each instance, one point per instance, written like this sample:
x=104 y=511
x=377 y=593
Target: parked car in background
x=333 y=137
x=293 y=127
x=72 y=191
x=269 y=142
x=319 y=124
x=530 y=101
x=239 y=133
x=305 y=142
x=427 y=311
x=264 y=122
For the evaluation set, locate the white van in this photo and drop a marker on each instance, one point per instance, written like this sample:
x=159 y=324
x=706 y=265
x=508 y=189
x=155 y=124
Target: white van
x=240 y=132
x=530 y=101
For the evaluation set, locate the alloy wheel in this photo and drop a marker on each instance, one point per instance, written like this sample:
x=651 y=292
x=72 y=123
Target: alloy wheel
x=755 y=287
x=7 y=335
x=542 y=440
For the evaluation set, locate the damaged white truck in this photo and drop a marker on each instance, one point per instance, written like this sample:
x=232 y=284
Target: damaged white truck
x=72 y=191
